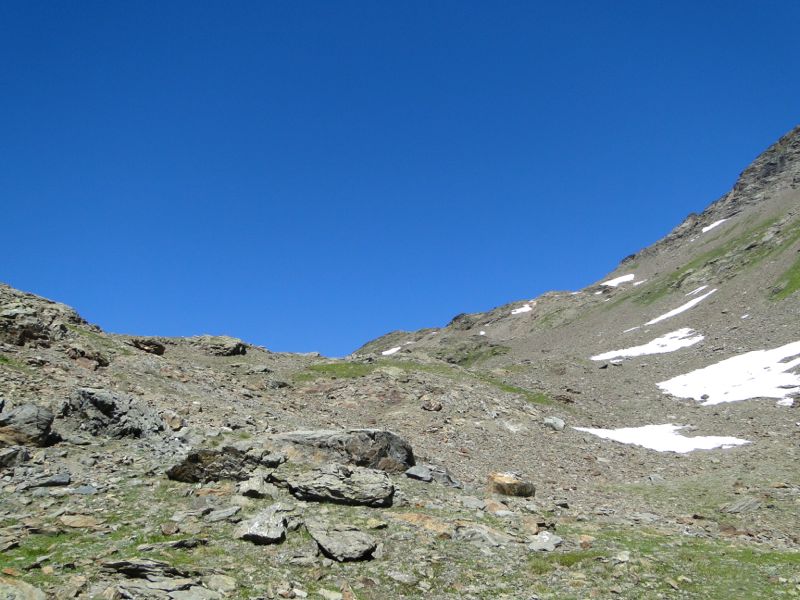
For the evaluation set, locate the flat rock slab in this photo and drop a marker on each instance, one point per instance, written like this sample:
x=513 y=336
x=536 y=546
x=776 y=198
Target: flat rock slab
x=342 y=543
x=342 y=484
x=143 y=568
x=544 y=542
x=372 y=448
x=267 y=527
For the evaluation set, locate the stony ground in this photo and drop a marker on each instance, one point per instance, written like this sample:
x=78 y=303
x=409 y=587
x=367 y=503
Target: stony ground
x=160 y=468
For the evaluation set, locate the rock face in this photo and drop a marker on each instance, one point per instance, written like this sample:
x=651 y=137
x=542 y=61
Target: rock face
x=28 y=320
x=267 y=527
x=342 y=484
x=373 y=448
x=207 y=464
x=342 y=543
x=510 y=484
x=25 y=425
x=101 y=412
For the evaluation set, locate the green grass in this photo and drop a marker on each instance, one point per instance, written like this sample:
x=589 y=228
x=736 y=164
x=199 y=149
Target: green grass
x=12 y=363
x=788 y=283
x=338 y=370
x=666 y=565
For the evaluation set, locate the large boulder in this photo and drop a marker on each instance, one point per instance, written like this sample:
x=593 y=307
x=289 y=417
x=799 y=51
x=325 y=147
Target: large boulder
x=372 y=448
x=510 y=484
x=27 y=425
x=203 y=465
x=340 y=484
x=26 y=319
x=220 y=345
x=102 y=412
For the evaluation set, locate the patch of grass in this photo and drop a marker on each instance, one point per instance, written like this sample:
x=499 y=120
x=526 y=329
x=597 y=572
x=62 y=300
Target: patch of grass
x=473 y=357
x=541 y=564
x=788 y=283
x=339 y=370
x=529 y=395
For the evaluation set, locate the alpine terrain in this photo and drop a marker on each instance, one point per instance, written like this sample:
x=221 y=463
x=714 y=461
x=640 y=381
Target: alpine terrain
x=638 y=438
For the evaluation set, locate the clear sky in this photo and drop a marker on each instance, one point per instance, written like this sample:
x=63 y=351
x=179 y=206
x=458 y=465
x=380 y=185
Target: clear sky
x=311 y=175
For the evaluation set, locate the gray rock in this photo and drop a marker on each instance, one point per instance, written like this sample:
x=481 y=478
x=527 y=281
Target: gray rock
x=220 y=345
x=195 y=592
x=27 y=424
x=544 y=541
x=101 y=412
x=267 y=527
x=149 y=345
x=14 y=589
x=373 y=448
x=13 y=456
x=58 y=479
x=220 y=583
x=472 y=503
x=342 y=543
x=342 y=484
x=256 y=487
x=742 y=505
x=222 y=514
x=420 y=472
x=554 y=423
x=85 y=490
x=482 y=536
x=206 y=464
x=143 y=568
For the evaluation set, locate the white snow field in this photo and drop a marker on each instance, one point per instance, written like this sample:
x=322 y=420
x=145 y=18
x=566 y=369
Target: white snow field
x=615 y=282
x=682 y=338
x=708 y=228
x=522 y=309
x=390 y=351
x=682 y=308
x=664 y=438
x=757 y=374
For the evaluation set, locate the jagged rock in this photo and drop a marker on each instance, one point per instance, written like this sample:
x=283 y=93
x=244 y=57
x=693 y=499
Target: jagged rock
x=222 y=514
x=13 y=456
x=482 y=536
x=101 y=412
x=544 y=541
x=554 y=423
x=341 y=484
x=221 y=345
x=373 y=448
x=256 y=487
x=148 y=345
x=27 y=424
x=342 y=543
x=229 y=462
x=510 y=484
x=28 y=320
x=14 y=589
x=267 y=527
x=173 y=420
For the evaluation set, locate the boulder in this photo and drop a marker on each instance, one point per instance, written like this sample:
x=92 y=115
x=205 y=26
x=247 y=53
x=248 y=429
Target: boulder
x=220 y=345
x=27 y=424
x=149 y=345
x=510 y=484
x=554 y=423
x=116 y=415
x=372 y=448
x=87 y=357
x=229 y=462
x=341 y=484
x=267 y=527
x=342 y=543
x=13 y=456
x=544 y=542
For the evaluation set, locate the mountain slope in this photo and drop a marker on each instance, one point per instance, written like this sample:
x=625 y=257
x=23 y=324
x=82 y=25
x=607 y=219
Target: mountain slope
x=654 y=412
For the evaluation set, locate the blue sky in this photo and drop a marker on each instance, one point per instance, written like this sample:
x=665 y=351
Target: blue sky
x=311 y=175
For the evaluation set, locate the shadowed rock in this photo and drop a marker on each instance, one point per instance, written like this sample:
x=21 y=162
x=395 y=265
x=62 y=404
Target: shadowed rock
x=229 y=462
x=373 y=448
x=101 y=412
x=26 y=425
x=342 y=543
x=267 y=527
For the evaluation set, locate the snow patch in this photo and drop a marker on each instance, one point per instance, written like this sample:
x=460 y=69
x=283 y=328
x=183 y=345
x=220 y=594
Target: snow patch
x=682 y=308
x=715 y=224
x=682 y=338
x=757 y=374
x=615 y=282
x=632 y=329
x=481 y=332
x=664 y=438
x=391 y=351
x=697 y=291
x=637 y=283
x=522 y=309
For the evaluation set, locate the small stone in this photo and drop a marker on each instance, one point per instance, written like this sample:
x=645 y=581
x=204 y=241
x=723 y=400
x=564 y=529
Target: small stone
x=170 y=528
x=545 y=541
x=420 y=472
x=222 y=514
x=510 y=484
x=554 y=423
